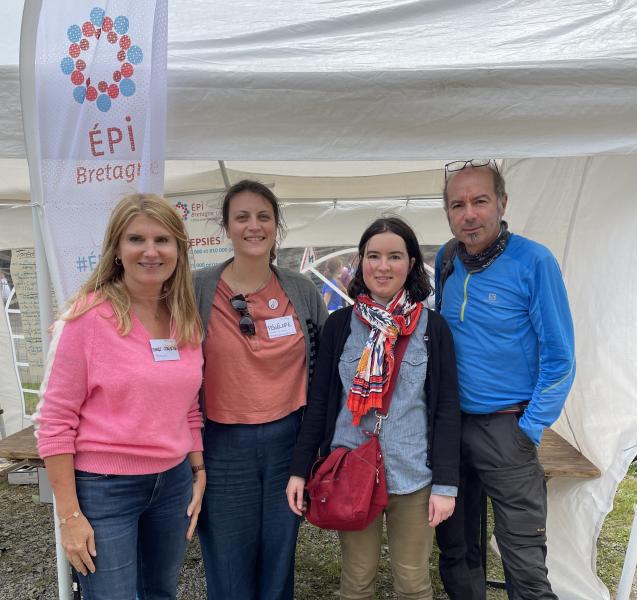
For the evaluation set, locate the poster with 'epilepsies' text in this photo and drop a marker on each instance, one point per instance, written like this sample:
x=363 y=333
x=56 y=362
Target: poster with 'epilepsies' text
x=100 y=81
x=200 y=213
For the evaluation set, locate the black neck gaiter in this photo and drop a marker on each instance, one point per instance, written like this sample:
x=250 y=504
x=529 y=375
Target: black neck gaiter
x=475 y=263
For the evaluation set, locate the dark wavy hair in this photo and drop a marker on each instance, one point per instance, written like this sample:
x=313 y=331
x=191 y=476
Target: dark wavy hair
x=417 y=283
x=256 y=187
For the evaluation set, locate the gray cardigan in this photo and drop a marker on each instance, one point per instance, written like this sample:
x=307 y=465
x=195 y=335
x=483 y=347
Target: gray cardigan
x=305 y=298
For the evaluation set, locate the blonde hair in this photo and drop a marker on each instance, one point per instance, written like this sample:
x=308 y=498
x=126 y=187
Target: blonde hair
x=107 y=283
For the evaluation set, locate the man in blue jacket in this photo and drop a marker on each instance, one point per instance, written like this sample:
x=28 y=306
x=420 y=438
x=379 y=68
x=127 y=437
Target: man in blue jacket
x=504 y=299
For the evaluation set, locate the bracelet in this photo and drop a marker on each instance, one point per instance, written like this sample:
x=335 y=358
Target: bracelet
x=197 y=468
x=63 y=520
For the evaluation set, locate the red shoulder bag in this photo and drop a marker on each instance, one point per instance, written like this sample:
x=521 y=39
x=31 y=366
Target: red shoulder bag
x=347 y=489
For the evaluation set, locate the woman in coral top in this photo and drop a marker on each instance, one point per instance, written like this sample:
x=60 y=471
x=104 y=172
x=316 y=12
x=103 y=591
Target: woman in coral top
x=119 y=424
x=261 y=325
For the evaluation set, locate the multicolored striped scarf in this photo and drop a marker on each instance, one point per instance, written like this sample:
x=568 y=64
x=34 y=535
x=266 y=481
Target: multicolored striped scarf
x=376 y=364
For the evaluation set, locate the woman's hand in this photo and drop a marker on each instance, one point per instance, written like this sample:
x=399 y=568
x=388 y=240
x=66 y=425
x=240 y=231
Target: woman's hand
x=78 y=541
x=294 y=492
x=76 y=534
x=440 y=509
x=194 y=508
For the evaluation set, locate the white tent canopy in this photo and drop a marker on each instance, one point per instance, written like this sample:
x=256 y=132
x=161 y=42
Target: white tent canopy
x=379 y=79
x=550 y=87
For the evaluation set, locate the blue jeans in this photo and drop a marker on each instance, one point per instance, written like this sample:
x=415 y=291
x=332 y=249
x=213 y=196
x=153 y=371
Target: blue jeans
x=140 y=526
x=246 y=528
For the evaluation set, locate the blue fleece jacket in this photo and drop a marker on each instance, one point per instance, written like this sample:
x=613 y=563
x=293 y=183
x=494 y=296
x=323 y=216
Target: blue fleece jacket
x=513 y=333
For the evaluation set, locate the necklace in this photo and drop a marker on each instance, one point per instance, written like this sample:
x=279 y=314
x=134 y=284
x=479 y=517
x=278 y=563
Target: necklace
x=235 y=287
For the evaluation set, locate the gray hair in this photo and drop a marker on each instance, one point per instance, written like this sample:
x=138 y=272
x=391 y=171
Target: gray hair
x=498 y=183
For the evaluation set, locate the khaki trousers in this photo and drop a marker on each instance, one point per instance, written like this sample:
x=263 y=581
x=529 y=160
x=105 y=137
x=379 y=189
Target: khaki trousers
x=410 y=540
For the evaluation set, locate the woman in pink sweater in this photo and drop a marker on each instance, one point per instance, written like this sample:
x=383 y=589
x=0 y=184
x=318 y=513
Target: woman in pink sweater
x=119 y=424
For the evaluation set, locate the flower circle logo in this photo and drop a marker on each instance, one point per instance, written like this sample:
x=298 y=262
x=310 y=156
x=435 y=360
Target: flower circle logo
x=116 y=31
x=183 y=207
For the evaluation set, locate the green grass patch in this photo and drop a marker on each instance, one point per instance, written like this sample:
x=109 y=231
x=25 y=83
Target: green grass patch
x=613 y=539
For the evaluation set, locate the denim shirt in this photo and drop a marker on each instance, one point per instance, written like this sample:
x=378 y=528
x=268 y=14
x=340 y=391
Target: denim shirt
x=403 y=436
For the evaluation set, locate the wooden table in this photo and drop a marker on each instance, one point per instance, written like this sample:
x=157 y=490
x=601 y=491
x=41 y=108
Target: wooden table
x=560 y=459
x=19 y=446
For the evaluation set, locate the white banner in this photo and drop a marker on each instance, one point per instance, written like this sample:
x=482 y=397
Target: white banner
x=200 y=213
x=100 y=83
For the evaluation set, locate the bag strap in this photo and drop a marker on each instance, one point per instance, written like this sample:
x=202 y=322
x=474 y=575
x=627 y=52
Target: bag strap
x=448 y=254
x=399 y=352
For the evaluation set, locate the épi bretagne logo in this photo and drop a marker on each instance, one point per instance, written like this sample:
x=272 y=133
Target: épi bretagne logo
x=116 y=31
x=183 y=207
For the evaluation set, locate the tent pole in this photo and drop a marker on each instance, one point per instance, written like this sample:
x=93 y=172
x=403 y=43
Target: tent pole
x=28 y=38
x=65 y=591
x=224 y=173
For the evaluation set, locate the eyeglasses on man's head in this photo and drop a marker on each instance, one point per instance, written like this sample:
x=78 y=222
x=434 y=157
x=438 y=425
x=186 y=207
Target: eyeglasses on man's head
x=459 y=165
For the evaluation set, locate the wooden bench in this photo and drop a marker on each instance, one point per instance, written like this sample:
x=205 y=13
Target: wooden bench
x=560 y=459
x=19 y=446
x=557 y=456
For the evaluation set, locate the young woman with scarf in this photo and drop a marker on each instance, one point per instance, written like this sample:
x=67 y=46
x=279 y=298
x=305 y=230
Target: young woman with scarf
x=419 y=438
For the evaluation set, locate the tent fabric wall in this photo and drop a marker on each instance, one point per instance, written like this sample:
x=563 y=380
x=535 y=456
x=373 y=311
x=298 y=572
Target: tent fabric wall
x=342 y=223
x=584 y=209
x=15 y=228
x=14 y=184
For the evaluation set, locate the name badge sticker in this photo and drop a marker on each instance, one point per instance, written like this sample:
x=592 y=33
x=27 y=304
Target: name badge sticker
x=280 y=327
x=164 y=350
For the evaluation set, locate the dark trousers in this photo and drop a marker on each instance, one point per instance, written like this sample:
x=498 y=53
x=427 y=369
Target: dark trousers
x=246 y=528
x=499 y=458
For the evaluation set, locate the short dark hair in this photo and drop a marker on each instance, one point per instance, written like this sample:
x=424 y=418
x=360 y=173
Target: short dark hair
x=498 y=182
x=417 y=284
x=256 y=187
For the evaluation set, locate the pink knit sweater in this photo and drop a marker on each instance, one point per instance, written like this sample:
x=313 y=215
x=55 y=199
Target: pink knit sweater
x=107 y=401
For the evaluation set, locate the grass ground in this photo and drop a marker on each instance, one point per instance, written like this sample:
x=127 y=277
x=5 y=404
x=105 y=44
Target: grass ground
x=613 y=539
x=27 y=555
